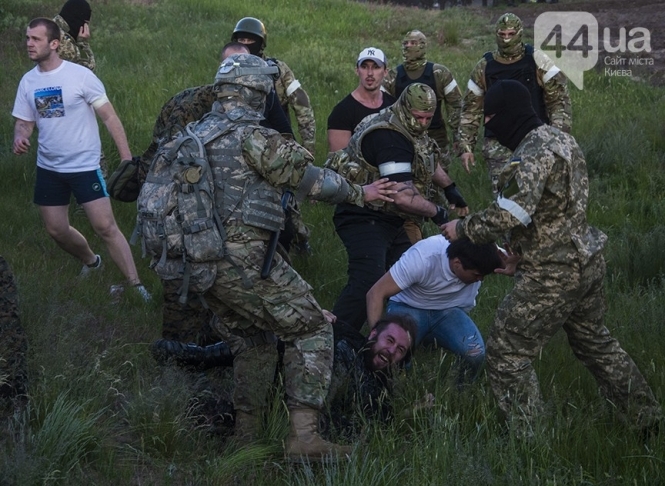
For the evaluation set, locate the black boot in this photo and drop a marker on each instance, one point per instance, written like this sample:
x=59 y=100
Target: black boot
x=218 y=354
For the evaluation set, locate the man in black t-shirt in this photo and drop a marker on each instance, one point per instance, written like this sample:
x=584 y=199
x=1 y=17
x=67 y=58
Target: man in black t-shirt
x=366 y=99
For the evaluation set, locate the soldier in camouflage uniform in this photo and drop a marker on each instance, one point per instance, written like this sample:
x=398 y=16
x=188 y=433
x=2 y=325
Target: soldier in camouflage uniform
x=13 y=343
x=252 y=166
x=253 y=34
x=559 y=280
x=394 y=144
x=415 y=68
x=512 y=60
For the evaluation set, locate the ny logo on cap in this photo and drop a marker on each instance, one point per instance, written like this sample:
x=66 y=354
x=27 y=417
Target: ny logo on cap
x=370 y=52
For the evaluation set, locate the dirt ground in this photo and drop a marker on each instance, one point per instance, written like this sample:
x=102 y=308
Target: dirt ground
x=613 y=14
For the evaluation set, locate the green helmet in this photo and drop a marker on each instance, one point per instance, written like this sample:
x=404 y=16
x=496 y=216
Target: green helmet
x=247 y=70
x=253 y=27
x=419 y=97
x=513 y=47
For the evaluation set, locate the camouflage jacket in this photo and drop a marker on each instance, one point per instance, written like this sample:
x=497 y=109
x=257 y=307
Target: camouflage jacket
x=549 y=77
x=253 y=165
x=290 y=94
x=70 y=50
x=542 y=203
x=183 y=108
x=351 y=164
x=447 y=92
x=356 y=394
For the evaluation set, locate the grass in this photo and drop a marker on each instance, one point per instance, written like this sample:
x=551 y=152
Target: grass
x=101 y=412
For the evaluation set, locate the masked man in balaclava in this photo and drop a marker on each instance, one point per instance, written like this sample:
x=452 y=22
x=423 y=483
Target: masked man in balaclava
x=542 y=205
x=513 y=59
x=74 y=23
x=415 y=68
x=394 y=144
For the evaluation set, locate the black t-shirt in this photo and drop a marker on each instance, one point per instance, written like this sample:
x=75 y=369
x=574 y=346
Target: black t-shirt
x=385 y=145
x=274 y=116
x=349 y=112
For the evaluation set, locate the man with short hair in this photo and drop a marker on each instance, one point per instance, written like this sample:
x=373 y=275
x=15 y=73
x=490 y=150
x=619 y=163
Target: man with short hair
x=368 y=98
x=361 y=387
x=513 y=59
x=251 y=32
x=437 y=283
x=59 y=97
x=559 y=279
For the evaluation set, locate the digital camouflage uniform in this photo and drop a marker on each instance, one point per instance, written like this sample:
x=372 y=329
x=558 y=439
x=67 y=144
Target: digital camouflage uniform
x=550 y=78
x=558 y=284
x=448 y=95
x=13 y=343
x=291 y=94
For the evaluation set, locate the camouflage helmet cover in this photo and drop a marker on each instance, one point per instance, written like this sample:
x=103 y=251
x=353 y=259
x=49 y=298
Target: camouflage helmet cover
x=416 y=97
x=513 y=46
x=247 y=70
x=251 y=25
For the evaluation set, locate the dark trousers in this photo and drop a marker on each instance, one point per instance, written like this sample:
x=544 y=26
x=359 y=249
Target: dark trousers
x=372 y=245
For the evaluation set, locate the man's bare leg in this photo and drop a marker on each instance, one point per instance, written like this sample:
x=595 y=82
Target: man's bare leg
x=56 y=221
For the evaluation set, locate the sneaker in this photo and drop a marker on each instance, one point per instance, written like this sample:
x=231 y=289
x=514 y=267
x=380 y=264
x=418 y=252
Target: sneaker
x=143 y=292
x=88 y=269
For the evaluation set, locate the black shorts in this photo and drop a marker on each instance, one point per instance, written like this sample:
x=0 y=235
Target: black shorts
x=55 y=188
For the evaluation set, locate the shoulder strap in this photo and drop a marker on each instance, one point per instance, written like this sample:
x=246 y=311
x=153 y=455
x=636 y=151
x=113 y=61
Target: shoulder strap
x=488 y=56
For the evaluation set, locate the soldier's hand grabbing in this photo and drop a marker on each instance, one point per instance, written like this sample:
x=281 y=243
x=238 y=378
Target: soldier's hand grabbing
x=510 y=261
x=449 y=230
x=455 y=199
x=379 y=190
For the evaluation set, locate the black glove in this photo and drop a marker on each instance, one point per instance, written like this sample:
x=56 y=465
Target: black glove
x=454 y=197
x=441 y=216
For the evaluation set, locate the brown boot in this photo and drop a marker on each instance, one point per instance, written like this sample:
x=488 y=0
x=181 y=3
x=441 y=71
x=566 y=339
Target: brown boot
x=247 y=427
x=304 y=440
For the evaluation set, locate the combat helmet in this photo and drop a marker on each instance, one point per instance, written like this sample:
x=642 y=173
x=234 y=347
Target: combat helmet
x=416 y=96
x=252 y=28
x=513 y=47
x=246 y=76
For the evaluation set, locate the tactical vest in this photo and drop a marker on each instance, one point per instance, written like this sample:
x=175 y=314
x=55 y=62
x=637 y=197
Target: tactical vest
x=402 y=80
x=422 y=165
x=526 y=72
x=242 y=196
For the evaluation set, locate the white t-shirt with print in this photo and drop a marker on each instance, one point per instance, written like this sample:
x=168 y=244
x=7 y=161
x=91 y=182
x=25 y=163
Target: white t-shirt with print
x=60 y=102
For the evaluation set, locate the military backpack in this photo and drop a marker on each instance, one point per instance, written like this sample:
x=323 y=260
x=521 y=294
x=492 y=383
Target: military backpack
x=178 y=222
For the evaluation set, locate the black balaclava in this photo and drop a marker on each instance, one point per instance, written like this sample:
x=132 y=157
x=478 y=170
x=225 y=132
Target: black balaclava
x=256 y=47
x=510 y=103
x=76 y=13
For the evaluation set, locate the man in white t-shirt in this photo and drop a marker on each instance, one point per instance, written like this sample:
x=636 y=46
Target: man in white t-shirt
x=61 y=99
x=436 y=282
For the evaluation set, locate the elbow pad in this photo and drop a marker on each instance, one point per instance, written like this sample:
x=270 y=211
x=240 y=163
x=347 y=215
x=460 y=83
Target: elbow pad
x=323 y=185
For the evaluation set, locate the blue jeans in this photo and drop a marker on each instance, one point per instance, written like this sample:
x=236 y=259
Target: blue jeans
x=451 y=329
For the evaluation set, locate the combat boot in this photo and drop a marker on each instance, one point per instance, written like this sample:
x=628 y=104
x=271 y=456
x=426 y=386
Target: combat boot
x=304 y=441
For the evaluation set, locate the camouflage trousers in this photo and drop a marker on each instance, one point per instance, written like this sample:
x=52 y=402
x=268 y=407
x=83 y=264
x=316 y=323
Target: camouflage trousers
x=281 y=304
x=573 y=299
x=496 y=156
x=13 y=342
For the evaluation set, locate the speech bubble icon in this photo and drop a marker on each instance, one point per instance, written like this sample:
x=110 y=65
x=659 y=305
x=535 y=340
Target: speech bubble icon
x=570 y=39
